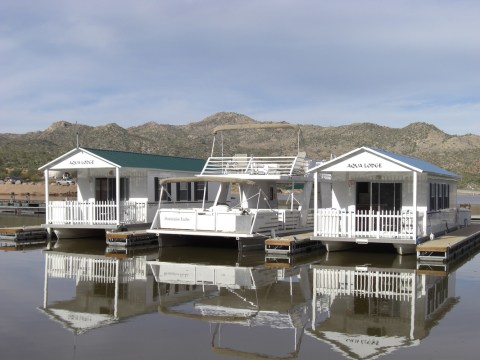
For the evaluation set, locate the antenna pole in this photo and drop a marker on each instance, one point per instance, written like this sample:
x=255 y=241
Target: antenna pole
x=78 y=141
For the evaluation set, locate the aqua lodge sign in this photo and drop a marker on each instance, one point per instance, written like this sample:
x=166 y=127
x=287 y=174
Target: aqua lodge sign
x=82 y=161
x=376 y=165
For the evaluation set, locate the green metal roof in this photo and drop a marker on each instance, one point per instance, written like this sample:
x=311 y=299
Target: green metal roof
x=150 y=161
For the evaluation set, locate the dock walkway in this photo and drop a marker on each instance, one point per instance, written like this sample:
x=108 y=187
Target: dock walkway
x=451 y=245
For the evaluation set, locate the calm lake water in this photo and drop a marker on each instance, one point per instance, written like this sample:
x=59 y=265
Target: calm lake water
x=80 y=300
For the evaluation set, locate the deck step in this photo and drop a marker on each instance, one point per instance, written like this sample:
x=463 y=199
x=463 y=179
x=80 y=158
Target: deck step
x=292 y=244
x=130 y=238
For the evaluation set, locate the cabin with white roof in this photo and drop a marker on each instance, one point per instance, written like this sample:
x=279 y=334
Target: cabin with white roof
x=117 y=190
x=383 y=197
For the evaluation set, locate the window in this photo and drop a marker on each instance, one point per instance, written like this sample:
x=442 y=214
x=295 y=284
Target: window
x=439 y=196
x=198 y=189
x=433 y=197
x=167 y=190
x=183 y=191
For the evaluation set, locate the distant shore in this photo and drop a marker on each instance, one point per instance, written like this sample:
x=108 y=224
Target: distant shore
x=469 y=192
x=36 y=190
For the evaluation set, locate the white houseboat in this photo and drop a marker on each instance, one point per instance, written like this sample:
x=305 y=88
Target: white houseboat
x=255 y=212
x=115 y=190
x=383 y=197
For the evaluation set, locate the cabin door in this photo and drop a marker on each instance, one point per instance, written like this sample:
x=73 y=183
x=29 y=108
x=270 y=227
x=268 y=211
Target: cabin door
x=375 y=197
x=106 y=194
x=379 y=196
x=105 y=189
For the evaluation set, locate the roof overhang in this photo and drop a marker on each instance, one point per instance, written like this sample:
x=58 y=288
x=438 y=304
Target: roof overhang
x=367 y=159
x=78 y=158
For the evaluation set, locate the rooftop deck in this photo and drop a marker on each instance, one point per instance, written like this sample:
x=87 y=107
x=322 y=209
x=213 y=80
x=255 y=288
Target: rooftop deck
x=253 y=165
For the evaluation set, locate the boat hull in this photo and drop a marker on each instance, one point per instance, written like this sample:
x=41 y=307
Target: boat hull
x=78 y=233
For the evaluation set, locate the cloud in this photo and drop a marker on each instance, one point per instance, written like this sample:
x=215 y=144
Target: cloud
x=304 y=61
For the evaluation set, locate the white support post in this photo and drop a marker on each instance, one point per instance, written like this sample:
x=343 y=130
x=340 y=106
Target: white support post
x=413 y=298
x=117 y=193
x=45 y=285
x=315 y=200
x=117 y=292
x=415 y=212
x=47 y=210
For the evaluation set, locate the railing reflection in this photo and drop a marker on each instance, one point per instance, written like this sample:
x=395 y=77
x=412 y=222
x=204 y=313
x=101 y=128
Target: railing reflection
x=106 y=289
x=368 y=311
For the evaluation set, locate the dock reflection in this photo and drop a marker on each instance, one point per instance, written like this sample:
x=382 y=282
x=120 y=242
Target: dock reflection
x=362 y=305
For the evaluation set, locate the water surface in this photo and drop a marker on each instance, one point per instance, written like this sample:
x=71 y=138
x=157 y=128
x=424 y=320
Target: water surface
x=81 y=300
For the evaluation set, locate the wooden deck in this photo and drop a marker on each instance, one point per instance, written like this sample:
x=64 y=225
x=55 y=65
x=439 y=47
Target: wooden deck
x=291 y=244
x=130 y=238
x=451 y=245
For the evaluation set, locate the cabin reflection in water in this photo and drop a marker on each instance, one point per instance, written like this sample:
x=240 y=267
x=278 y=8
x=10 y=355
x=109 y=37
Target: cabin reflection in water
x=256 y=308
x=107 y=289
x=366 y=312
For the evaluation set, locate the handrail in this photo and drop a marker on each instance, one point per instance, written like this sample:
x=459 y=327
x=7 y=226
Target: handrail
x=254 y=165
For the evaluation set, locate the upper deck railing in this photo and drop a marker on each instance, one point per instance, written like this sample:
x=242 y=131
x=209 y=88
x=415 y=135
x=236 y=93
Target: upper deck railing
x=254 y=165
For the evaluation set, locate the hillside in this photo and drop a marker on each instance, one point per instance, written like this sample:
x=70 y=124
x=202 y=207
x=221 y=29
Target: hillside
x=27 y=152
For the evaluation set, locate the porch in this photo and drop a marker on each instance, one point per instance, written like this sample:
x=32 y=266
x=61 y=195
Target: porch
x=99 y=212
x=340 y=223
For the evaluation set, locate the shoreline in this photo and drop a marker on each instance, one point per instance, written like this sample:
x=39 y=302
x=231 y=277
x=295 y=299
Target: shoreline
x=36 y=190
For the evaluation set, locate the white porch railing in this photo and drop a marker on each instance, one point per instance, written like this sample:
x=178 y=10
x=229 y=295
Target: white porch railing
x=256 y=221
x=103 y=270
x=369 y=223
x=378 y=284
x=96 y=213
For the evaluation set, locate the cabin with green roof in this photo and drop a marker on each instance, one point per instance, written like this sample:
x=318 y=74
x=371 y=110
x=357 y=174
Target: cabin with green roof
x=115 y=189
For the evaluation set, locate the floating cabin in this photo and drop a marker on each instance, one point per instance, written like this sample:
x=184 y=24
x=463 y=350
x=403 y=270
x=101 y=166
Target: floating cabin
x=383 y=197
x=116 y=190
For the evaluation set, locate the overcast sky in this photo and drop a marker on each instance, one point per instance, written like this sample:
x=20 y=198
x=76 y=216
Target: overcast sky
x=319 y=62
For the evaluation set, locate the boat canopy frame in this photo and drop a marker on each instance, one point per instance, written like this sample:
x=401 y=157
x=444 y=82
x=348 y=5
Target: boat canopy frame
x=221 y=128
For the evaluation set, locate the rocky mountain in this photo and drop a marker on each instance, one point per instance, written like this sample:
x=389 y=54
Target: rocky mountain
x=460 y=154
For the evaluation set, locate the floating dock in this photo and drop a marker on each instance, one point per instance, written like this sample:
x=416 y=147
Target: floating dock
x=22 y=207
x=131 y=238
x=23 y=233
x=450 y=246
x=23 y=236
x=292 y=244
